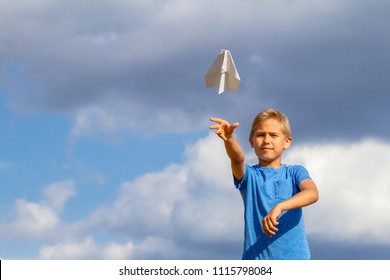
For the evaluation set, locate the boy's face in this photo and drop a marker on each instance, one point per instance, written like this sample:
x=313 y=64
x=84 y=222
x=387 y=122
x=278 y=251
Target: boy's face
x=269 y=142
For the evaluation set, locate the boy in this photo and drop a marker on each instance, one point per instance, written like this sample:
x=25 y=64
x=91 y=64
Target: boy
x=273 y=193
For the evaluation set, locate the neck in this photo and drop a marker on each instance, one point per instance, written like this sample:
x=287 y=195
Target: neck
x=272 y=164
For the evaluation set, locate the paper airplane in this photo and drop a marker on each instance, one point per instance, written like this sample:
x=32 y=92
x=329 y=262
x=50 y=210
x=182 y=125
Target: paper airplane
x=223 y=73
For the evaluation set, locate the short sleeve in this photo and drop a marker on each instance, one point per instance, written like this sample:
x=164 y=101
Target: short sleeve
x=244 y=180
x=300 y=173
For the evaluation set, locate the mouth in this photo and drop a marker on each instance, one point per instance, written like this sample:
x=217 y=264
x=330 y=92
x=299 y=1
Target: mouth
x=266 y=149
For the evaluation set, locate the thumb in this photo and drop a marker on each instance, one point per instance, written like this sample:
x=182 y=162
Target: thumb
x=234 y=125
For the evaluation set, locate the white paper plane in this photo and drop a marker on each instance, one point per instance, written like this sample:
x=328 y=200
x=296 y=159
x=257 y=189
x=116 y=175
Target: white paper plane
x=223 y=73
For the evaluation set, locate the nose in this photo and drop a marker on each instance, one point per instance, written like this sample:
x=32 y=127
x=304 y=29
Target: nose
x=266 y=138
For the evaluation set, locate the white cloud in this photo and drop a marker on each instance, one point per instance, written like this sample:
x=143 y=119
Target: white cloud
x=88 y=248
x=150 y=248
x=58 y=193
x=34 y=218
x=92 y=119
x=40 y=220
x=353 y=181
x=120 y=113
x=145 y=205
x=164 y=214
x=178 y=199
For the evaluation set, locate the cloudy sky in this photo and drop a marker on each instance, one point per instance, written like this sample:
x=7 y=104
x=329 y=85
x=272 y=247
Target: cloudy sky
x=105 y=147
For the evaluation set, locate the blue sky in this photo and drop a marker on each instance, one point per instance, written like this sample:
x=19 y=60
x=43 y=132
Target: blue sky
x=104 y=115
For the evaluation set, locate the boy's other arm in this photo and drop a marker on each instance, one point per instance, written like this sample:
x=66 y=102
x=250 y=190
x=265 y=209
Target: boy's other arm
x=234 y=151
x=308 y=195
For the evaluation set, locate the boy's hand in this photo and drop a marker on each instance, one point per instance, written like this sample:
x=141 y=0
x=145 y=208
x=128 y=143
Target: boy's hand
x=223 y=129
x=271 y=221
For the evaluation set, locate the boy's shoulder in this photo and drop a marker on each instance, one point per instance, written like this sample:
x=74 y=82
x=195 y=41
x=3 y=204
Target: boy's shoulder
x=294 y=166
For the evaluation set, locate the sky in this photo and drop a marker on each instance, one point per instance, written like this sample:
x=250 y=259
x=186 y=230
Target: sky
x=105 y=147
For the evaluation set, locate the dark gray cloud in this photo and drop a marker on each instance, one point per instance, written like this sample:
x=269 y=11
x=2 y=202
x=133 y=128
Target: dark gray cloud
x=324 y=65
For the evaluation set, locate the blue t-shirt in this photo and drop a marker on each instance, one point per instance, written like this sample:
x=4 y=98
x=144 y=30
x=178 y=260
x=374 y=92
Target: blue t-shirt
x=261 y=189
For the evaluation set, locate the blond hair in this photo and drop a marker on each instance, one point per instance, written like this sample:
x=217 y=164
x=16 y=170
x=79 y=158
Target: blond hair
x=276 y=115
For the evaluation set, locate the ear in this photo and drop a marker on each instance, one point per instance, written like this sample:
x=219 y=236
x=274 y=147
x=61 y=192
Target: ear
x=287 y=142
x=251 y=141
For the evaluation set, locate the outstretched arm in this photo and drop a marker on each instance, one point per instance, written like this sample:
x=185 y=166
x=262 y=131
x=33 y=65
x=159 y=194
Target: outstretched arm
x=308 y=195
x=237 y=157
